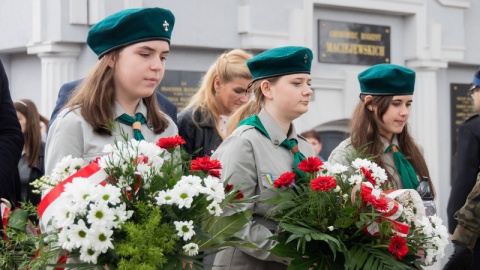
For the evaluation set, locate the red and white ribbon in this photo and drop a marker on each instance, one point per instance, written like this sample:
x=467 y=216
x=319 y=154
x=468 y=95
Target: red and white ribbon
x=393 y=211
x=47 y=206
x=5 y=208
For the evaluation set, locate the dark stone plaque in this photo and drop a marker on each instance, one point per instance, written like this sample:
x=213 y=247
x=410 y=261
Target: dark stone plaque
x=353 y=43
x=461 y=108
x=180 y=86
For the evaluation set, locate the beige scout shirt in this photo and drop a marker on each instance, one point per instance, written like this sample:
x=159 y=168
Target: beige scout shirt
x=344 y=154
x=248 y=156
x=71 y=135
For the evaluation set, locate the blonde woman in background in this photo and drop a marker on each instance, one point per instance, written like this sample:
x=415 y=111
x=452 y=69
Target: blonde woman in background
x=222 y=91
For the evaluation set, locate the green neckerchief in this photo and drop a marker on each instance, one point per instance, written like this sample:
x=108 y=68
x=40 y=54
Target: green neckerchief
x=290 y=144
x=136 y=124
x=404 y=168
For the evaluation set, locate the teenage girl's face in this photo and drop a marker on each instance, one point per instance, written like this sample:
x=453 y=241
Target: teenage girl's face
x=291 y=95
x=396 y=116
x=231 y=95
x=23 y=121
x=139 y=69
x=317 y=146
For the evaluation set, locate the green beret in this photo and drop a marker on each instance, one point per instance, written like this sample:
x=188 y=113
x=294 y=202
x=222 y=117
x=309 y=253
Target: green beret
x=280 y=61
x=130 y=26
x=387 y=80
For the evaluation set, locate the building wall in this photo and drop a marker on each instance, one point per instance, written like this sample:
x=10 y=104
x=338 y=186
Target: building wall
x=436 y=38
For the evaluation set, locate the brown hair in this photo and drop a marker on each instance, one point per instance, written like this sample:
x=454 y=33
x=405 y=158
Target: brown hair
x=365 y=135
x=32 y=133
x=96 y=98
x=228 y=66
x=312 y=134
x=252 y=107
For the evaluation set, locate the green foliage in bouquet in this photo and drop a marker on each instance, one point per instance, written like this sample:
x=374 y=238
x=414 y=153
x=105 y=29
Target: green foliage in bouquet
x=155 y=209
x=334 y=219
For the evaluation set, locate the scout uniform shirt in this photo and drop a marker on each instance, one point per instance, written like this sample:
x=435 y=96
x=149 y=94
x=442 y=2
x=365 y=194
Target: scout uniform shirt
x=71 y=135
x=253 y=161
x=345 y=153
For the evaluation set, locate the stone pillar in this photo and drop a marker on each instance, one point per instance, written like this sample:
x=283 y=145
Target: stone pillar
x=59 y=65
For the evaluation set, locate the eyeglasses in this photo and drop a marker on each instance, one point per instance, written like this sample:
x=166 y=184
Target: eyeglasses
x=473 y=90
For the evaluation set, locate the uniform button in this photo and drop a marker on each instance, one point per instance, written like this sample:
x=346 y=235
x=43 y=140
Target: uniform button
x=276 y=143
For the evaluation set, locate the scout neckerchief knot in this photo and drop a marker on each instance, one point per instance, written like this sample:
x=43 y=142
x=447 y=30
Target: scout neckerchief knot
x=290 y=144
x=136 y=124
x=404 y=168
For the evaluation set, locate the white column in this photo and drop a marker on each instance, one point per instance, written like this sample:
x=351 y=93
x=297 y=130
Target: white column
x=59 y=65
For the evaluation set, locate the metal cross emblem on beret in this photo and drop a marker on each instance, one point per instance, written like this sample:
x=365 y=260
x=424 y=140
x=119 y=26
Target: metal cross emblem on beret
x=165 y=24
x=305 y=58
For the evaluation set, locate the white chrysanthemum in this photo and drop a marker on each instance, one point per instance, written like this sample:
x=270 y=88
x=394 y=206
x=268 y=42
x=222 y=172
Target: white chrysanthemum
x=121 y=215
x=335 y=168
x=64 y=216
x=100 y=214
x=64 y=240
x=359 y=162
x=78 y=234
x=214 y=209
x=192 y=180
x=182 y=195
x=80 y=190
x=101 y=238
x=214 y=189
x=89 y=254
x=109 y=194
x=337 y=189
x=191 y=249
x=164 y=197
x=184 y=229
x=355 y=179
x=379 y=174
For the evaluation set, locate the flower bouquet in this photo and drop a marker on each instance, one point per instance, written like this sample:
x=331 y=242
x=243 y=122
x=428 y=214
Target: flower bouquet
x=140 y=206
x=340 y=218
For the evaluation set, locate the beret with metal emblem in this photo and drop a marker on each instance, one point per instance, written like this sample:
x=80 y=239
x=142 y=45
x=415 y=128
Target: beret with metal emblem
x=130 y=26
x=387 y=80
x=476 y=80
x=280 y=61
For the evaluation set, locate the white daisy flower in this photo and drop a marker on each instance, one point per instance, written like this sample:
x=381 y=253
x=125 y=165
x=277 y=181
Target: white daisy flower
x=355 y=179
x=359 y=162
x=191 y=249
x=78 y=234
x=164 y=197
x=109 y=194
x=89 y=254
x=335 y=168
x=182 y=195
x=191 y=180
x=184 y=229
x=214 y=209
x=101 y=238
x=100 y=214
x=64 y=216
x=214 y=189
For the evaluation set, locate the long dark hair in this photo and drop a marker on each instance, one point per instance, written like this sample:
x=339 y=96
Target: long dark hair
x=32 y=132
x=365 y=135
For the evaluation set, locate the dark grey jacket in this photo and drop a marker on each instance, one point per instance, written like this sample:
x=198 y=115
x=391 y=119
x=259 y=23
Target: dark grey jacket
x=198 y=131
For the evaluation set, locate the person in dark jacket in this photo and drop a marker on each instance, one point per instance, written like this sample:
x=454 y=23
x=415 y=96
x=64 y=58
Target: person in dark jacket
x=223 y=89
x=32 y=163
x=467 y=163
x=11 y=144
x=65 y=91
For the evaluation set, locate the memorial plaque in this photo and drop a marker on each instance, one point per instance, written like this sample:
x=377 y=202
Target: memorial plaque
x=180 y=86
x=353 y=43
x=461 y=108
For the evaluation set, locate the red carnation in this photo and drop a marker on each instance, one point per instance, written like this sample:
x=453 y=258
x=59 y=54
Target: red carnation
x=239 y=195
x=368 y=175
x=214 y=173
x=310 y=164
x=170 y=142
x=398 y=247
x=366 y=194
x=380 y=203
x=205 y=164
x=323 y=183
x=285 y=180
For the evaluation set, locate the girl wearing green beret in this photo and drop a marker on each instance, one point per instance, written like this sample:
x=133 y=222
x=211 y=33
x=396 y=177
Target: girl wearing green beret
x=262 y=147
x=132 y=46
x=203 y=123
x=379 y=127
